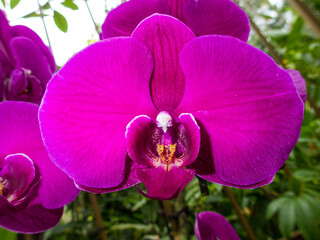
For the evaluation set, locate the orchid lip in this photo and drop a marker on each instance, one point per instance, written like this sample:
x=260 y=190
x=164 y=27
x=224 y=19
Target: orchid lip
x=163 y=152
x=163 y=141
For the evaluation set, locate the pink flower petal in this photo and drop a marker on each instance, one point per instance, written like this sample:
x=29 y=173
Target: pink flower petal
x=221 y=17
x=192 y=132
x=122 y=20
x=19 y=128
x=138 y=138
x=20 y=133
x=22 y=31
x=164 y=184
x=176 y=8
x=129 y=180
x=299 y=82
x=5 y=37
x=165 y=36
x=56 y=189
x=205 y=169
x=33 y=219
x=212 y=225
x=29 y=56
x=248 y=106
x=88 y=105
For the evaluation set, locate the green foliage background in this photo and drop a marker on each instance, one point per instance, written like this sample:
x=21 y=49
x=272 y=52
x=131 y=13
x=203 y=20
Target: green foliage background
x=289 y=208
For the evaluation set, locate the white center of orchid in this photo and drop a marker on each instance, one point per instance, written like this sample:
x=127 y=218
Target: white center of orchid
x=164 y=120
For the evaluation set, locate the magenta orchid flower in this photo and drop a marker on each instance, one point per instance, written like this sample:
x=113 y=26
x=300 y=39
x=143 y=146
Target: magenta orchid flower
x=203 y=17
x=213 y=226
x=26 y=64
x=33 y=190
x=162 y=105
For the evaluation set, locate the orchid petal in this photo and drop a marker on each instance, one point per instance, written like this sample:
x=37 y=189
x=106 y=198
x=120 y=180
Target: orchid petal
x=192 y=133
x=88 y=105
x=164 y=183
x=17 y=83
x=22 y=31
x=138 y=136
x=221 y=17
x=122 y=20
x=247 y=104
x=56 y=189
x=212 y=225
x=20 y=133
x=129 y=180
x=19 y=128
x=165 y=36
x=33 y=219
x=176 y=8
x=5 y=36
x=299 y=82
x=30 y=57
x=205 y=169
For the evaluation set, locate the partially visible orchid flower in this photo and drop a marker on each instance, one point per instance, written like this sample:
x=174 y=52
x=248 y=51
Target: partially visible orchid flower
x=162 y=105
x=203 y=17
x=26 y=64
x=213 y=226
x=33 y=190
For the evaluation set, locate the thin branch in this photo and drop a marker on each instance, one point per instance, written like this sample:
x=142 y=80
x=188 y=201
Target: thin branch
x=27 y=237
x=165 y=217
x=94 y=23
x=240 y=215
x=98 y=216
x=44 y=25
x=266 y=43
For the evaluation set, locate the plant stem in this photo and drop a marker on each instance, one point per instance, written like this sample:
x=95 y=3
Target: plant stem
x=241 y=217
x=165 y=216
x=306 y=14
x=94 y=23
x=44 y=25
x=203 y=186
x=98 y=216
x=27 y=237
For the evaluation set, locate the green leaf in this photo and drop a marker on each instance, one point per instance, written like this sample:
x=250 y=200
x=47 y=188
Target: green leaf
x=295 y=185
x=46 y=6
x=60 y=21
x=314 y=204
x=70 y=4
x=3 y=2
x=307 y=175
x=306 y=220
x=7 y=235
x=274 y=206
x=14 y=3
x=286 y=218
x=33 y=14
x=124 y=226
